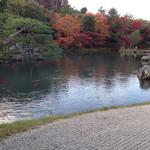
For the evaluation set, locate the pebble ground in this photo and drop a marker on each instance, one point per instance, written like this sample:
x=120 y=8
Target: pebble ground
x=116 y=129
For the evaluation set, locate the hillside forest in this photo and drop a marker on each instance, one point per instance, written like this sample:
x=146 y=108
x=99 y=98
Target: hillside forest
x=50 y=26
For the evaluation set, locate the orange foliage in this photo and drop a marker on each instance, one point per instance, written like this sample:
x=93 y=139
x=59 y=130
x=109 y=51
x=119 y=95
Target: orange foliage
x=69 y=31
x=101 y=25
x=67 y=24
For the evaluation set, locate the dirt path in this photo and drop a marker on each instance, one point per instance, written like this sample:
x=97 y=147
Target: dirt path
x=117 y=129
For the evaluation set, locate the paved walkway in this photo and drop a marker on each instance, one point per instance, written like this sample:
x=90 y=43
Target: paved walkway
x=118 y=129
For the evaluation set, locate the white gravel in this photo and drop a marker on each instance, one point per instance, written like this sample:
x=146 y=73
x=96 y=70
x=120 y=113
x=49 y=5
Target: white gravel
x=117 y=129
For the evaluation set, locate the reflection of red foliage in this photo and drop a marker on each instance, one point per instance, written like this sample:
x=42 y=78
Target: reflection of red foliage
x=3 y=79
x=148 y=31
x=35 y=85
x=10 y=66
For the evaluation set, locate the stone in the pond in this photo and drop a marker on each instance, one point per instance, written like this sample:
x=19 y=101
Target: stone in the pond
x=144 y=73
x=145 y=58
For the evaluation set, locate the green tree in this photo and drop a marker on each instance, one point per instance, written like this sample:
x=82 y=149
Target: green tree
x=5 y=3
x=65 y=9
x=102 y=11
x=24 y=26
x=30 y=33
x=31 y=9
x=5 y=13
x=135 y=38
x=112 y=14
x=51 y=4
x=88 y=22
x=84 y=10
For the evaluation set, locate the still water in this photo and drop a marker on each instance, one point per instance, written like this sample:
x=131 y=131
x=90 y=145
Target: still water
x=73 y=83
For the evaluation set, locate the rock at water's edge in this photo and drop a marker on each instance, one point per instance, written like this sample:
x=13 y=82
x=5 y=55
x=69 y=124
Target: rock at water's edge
x=144 y=73
x=145 y=58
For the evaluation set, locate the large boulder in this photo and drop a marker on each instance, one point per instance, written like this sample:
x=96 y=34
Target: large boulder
x=145 y=58
x=18 y=58
x=144 y=73
x=145 y=63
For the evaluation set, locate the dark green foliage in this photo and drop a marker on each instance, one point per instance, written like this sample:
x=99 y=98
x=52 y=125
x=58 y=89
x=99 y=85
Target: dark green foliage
x=3 y=5
x=26 y=40
x=84 y=10
x=34 y=33
x=29 y=24
x=30 y=9
x=57 y=53
x=3 y=50
x=5 y=31
x=65 y=10
x=102 y=11
x=25 y=24
x=88 y=22
x=113 y=14
x=135 y=38
x=53 y=4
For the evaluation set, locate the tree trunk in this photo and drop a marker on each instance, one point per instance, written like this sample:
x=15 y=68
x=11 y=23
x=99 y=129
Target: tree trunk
x=15 y=34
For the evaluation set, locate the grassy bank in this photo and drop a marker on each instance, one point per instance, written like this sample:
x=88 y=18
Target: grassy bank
x=8 y=129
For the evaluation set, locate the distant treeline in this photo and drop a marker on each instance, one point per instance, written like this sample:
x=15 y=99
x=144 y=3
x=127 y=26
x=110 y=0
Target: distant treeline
x=49 y=24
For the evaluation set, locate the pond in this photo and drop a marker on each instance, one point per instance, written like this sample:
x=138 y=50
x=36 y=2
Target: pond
x=73 y=83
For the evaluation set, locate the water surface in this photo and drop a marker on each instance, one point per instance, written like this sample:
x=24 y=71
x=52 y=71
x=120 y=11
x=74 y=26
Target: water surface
x=76 y=82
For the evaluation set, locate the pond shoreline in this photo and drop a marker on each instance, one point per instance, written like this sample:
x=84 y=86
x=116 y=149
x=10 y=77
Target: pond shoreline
x=8 y=129
x=76 y=51
x=35 y=58
x=135 y=51
x=127 y=123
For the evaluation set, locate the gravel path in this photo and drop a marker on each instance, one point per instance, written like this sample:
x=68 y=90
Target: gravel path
x=117 y=129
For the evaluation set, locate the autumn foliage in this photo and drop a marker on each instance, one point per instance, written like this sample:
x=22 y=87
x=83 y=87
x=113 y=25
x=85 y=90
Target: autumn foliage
x=96 y=30
x=137 y=24
x=101 y=25
x=72 y=28
x=70 y=31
